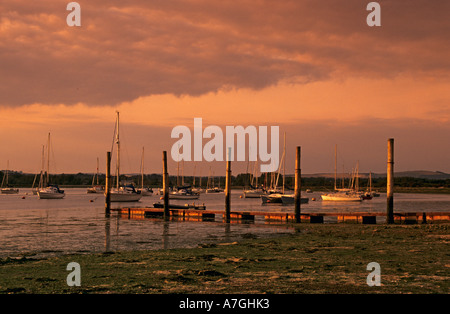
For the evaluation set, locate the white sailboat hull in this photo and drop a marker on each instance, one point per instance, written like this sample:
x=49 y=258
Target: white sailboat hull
x=124 y=197
x=50 y=193
x=253 y=193
x=342 y=197
x=95 y=189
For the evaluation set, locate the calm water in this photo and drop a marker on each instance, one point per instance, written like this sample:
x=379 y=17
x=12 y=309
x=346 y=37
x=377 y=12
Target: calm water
x=76 y=224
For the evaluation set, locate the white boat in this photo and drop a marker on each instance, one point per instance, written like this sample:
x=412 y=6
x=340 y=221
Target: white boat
x=214 y=190
x=184 y=193
x=95 y=188
x=253 y=193
x=50 y=191
x=252 y=189
x=7 y=189
x=210 y=185
x=122 y=193
x=198 y=190
x=125 y=194
x=284 y=199
x=345 y=194
x=342 y=197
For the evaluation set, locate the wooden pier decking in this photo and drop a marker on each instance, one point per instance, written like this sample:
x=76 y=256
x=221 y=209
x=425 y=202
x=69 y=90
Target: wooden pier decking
x=280 y=217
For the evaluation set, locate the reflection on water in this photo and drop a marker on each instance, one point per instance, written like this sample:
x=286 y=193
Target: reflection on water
x=77 y=223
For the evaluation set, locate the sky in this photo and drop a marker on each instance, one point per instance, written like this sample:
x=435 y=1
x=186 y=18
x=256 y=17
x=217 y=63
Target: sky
x=313 y=68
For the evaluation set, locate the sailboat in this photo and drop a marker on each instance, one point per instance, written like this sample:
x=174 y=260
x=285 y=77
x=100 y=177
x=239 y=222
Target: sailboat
x=369 y=194
x=143 y=190
x=7 y=189
x=342 y=195
x=184 y=193
x=95 y=188
x=122 y=193
x=34 y=189
x=50 y=191
x=197 y=189
x=210 y=187
x=276 y=196
x=253 y=191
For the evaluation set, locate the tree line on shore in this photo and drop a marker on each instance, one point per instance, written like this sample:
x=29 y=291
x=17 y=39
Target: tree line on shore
x=19 y=179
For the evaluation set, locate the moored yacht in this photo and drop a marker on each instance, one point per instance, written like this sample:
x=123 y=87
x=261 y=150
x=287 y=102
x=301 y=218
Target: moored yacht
x=52 y=191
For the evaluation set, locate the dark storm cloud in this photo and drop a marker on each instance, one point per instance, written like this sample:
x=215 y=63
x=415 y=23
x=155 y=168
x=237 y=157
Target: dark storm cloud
x=125 y=50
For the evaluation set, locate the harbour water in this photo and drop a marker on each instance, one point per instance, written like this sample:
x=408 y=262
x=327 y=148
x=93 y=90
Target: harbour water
x=77 y=224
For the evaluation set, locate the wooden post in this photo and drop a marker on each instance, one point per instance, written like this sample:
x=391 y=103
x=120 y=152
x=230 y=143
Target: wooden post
x=108 y=184
x=228 y=187
x=298 y=185
x=165 y=186
x=390 y=182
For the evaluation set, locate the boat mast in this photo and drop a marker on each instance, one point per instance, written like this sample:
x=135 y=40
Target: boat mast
x=48 y=158
x=142 y=167
x=7 y=167
x=335 y=166
x=41 y=177
x=284 y=163
x=357 y=177
x=97 y=170
x=118 y=151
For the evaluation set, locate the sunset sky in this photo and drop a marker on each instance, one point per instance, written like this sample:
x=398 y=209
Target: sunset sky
x=314 y=68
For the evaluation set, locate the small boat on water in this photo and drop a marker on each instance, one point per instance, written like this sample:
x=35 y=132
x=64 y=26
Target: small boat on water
x=211 y=186
x=253 y=193
x=214 y=190
x=122 y=193
x=342 y=197
x=344 y=194
x=183 y=193
x=6 y=189
x=52 y=191
x=97 y=188
x=125 y=194
x=10 y=190
x=284 y=199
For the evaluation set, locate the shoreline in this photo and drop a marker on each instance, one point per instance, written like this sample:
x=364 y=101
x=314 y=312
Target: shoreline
x=330 y=258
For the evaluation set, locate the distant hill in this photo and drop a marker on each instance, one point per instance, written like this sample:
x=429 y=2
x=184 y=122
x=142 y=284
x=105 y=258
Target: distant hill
x=422 y=174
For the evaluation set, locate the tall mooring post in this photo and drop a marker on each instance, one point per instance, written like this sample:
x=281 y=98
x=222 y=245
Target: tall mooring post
x=228 y=188
x=298 y=186
x=390 y=182
x=165 y=187
x=108 y=185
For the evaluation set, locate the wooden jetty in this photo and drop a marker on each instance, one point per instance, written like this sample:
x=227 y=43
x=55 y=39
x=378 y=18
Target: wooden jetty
x=279 y=217
x=199 y=213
